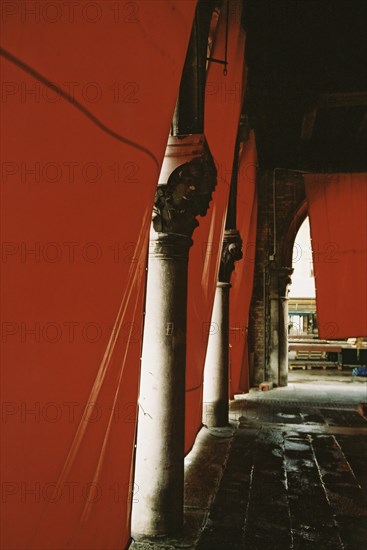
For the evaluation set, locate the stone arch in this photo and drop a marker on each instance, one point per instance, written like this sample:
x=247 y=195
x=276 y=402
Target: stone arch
x=295 y=222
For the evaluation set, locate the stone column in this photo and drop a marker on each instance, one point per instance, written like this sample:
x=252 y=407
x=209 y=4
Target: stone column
x=273 y=370
x=215 y=399
x=280 y=280
x=284 y=282
x=186 y=182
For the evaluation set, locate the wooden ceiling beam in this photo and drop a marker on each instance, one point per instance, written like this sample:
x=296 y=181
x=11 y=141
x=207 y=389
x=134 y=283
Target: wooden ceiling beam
x=354 y=99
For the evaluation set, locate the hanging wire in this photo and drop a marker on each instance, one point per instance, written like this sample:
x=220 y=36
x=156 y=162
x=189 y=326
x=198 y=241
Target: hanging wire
x=226 y=43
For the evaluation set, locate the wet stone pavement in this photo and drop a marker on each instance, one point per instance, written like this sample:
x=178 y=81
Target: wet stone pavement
x=295 y=478
x=290 y=473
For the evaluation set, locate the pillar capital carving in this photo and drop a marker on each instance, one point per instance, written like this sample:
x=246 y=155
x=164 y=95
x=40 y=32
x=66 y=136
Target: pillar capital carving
x=231 y=253
x=185 y=186
x=284 y=279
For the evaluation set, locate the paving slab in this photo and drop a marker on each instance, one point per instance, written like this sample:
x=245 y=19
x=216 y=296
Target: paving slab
x=289 y=474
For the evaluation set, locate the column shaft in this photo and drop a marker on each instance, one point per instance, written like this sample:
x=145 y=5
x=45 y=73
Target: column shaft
x=160 y=465
x=283 y=341
x=186 y=183
x=273 y=375
x=215 y=400
x=280 y=281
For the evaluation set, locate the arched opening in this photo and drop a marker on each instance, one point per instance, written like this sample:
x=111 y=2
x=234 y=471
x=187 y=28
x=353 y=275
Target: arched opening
x=302 y=319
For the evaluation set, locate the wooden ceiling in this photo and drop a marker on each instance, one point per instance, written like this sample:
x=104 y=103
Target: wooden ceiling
x=307 y=85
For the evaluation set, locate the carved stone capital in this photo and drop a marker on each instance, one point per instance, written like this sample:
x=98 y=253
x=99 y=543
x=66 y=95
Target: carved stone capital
x=231 y=253
x=185 y=187
x=284 y=280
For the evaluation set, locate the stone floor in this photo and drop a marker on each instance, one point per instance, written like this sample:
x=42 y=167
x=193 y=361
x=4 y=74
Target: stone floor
x=289 y=474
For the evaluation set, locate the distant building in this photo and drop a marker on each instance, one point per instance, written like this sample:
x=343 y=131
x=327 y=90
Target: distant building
x=302 y=317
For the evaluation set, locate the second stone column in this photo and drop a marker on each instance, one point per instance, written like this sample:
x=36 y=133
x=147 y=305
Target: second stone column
x=215 y=393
